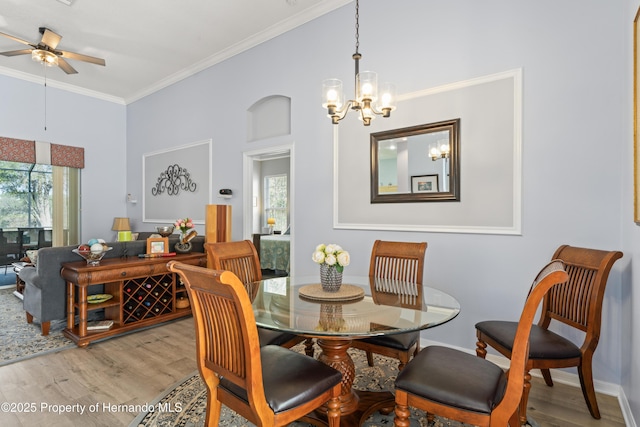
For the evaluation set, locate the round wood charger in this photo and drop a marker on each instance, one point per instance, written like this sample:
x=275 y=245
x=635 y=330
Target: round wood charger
x=345 y=293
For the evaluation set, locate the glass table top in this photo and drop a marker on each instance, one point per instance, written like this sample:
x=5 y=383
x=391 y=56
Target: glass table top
x=387 y=307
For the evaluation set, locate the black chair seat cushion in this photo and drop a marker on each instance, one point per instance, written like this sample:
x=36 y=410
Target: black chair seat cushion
x=397 y=341
x=270 y=337
x=289 y=378
x=454 y=378
x=543 y=344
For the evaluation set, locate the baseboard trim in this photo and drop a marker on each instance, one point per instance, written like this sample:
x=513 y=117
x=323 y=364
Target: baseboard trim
x=561 y=377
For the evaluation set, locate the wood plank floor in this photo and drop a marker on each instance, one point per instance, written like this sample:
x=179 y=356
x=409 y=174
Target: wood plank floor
x=134 y=369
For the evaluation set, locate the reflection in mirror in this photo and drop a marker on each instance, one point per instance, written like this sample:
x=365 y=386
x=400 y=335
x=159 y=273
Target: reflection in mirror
x=416 y=164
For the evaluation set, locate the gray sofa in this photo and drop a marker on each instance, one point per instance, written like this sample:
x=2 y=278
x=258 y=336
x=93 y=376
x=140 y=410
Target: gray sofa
x=44 y=296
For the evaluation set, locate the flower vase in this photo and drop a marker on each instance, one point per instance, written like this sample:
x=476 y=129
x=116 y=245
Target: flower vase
x=184 y=245
x=330 y=278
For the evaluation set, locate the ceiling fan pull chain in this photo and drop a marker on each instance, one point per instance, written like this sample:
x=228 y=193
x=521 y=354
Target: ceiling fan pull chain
x=45 y=97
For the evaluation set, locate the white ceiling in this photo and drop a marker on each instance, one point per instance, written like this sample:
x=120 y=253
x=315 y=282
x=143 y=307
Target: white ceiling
x=147 y=44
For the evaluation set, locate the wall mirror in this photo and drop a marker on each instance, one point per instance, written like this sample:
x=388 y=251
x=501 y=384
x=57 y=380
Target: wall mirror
x=416 y=164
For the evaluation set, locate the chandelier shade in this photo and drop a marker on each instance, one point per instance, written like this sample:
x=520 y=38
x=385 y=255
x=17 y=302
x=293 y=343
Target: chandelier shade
x=332 y=94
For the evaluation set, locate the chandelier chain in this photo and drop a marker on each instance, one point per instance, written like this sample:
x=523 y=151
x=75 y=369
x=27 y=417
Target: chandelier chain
x=357 y=25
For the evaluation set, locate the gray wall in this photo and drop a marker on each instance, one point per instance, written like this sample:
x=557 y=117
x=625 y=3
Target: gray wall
x=574 y=107
x=72 y=119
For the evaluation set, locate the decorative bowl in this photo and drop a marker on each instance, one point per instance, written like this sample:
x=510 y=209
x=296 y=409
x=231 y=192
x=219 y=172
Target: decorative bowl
x=90 y=257
x=165 y=231
x=182 y=302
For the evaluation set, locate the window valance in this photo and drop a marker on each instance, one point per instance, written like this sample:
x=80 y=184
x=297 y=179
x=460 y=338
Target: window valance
x=24 y=151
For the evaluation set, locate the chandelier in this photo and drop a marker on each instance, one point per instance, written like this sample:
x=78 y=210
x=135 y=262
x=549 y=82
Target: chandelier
x=439 y=150
x=369 y=100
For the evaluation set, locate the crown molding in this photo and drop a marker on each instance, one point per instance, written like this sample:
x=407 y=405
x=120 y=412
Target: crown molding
x=58 y=85
x=295 y=21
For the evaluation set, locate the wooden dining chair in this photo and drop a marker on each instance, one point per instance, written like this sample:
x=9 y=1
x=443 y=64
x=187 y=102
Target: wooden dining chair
x=399 y=267
x=241 y=258
x=462 y=387
x=268 y=385
x=576 y=304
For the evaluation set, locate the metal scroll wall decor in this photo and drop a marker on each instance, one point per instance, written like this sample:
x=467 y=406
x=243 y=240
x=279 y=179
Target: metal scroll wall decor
x=174 y=179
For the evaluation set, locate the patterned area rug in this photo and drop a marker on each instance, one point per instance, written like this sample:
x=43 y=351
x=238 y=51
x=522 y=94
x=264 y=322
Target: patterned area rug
x=184 y=403
x=22 y=340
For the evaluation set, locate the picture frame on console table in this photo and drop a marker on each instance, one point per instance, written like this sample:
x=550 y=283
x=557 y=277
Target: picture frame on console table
x=158 y=245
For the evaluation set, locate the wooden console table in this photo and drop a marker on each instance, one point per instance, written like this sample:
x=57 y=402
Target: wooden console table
x=144 y=293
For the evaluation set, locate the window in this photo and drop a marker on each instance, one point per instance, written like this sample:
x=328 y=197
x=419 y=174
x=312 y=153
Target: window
x=25 y=195
x=37 y=196
x=276 y=199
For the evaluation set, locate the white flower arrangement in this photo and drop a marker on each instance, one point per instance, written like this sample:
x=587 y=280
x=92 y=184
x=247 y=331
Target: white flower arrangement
x=331 y=255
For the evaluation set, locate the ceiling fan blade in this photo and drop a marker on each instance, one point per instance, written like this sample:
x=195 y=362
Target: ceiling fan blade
x=17 y=39
x=66 y=67
x=16 y=52
x=80 y=57
x=50 y=38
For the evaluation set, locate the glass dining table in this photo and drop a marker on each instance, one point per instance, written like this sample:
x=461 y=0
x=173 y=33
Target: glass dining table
x=364 y=307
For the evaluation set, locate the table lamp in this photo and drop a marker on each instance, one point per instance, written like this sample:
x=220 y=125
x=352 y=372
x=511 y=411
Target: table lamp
x=271 y=222
x=121 y=225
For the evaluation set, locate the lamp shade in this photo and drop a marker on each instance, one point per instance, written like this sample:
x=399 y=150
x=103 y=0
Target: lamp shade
x=367 y=86
x=121 y=224
x=332 y=95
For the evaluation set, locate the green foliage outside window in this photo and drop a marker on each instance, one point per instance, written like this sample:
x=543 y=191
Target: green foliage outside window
x=26 y=193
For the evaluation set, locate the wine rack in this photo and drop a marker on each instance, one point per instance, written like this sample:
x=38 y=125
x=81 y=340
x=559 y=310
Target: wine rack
x=144 y=293
x=147 y=297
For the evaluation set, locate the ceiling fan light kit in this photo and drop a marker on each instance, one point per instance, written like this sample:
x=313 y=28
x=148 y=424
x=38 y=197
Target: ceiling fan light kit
x=44 y=57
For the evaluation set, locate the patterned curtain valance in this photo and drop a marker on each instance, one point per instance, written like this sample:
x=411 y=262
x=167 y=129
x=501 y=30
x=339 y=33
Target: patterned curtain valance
x=21 y=150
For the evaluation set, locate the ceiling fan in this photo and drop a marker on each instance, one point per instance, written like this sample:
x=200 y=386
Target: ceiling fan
x=45 y=51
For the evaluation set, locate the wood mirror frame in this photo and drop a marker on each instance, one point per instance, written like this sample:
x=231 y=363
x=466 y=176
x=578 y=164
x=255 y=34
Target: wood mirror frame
x=417 y=140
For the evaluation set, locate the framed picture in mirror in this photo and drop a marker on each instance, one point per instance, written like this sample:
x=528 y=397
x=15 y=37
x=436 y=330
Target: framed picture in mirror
x=424 y=184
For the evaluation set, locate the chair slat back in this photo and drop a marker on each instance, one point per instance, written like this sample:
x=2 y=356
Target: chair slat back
x=226 y=332
x=240 y=257
x=224 y=350
x=578 y=302
x=569 y=302
x=396 y=271
x=401 y=261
